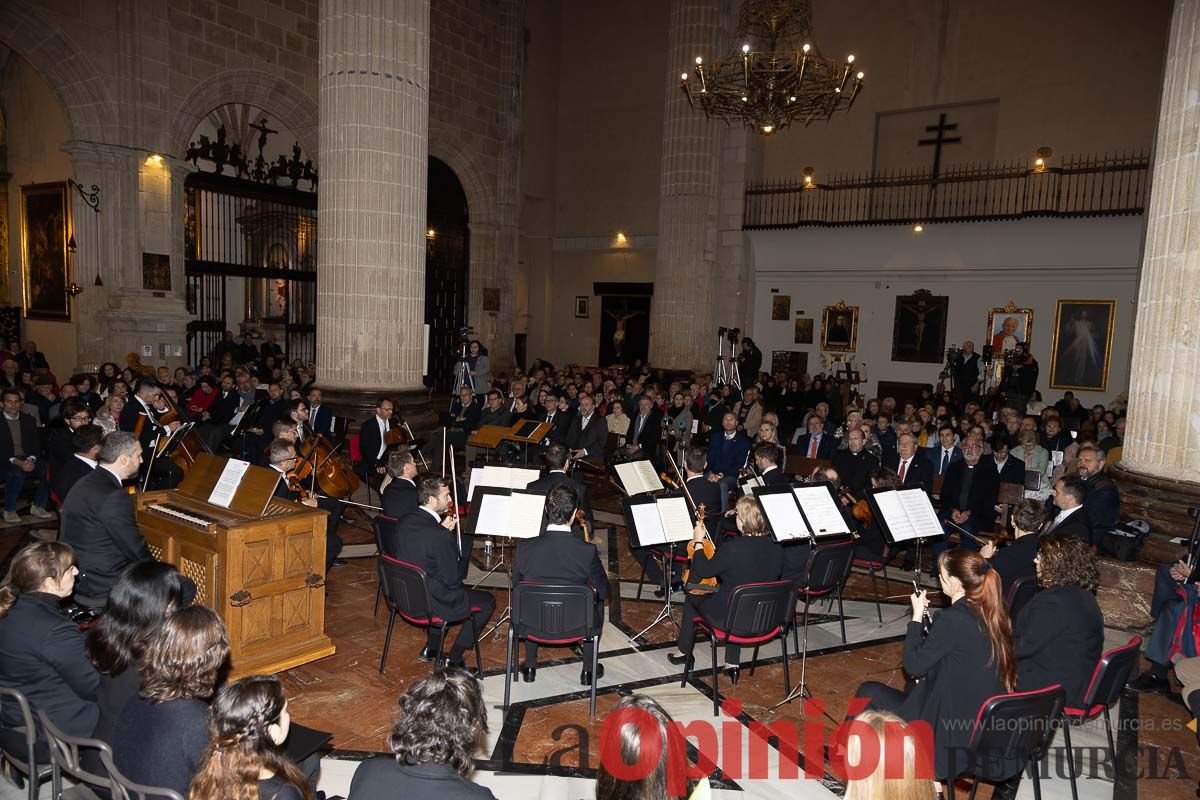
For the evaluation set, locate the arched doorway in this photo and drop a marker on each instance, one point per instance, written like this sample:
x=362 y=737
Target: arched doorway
x=446 y=263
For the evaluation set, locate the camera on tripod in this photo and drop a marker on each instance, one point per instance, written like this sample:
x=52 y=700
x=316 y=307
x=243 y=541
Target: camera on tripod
x=954 y=360
x=465 y=333
x=732 y=334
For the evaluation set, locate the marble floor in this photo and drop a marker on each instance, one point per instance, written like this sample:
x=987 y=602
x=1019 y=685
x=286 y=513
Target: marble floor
x=546 y=746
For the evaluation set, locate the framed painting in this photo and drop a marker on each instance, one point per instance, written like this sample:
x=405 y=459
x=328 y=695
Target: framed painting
x=1008 y=326
x=804 y=330
x=781 y=306
x=919 y=327
x=1083 y=334
x=45 y=227
x=839 y=328
x=789 y=361
x=582 y=307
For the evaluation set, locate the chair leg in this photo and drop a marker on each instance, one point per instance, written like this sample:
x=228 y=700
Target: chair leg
x=1070 y=759
x=478 y=655
x=595 y=675
x=712 y=641
x=974 y=788
x=754 y=660
x=787 y=672
x=437 y=660
x=378 y=594
x=508 y=666
x=842 y=615
x=1112 y=747
x=641 y=581
x=950 y=789
x=387 y=641
x=1037 y=781
x=875 y=592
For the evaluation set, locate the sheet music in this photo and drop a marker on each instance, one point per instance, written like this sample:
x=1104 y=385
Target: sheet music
x=894 y=516
x=525 y=515
x=648 y=524
x=748 y=486
x=638 y=477
x=492 y=519
x=920 y=512
x=1056 y=457
x=784 y=516
x=227 y=484
x=675 y=518
x=501 y=478
x=822 y=512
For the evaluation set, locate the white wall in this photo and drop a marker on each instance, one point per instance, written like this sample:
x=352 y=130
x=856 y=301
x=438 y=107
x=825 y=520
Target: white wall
x=1034 y=263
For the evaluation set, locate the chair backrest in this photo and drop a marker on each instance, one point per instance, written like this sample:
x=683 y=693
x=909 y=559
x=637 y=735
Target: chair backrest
x=378 y=525
x=355 y=449
x=66 y=754
x=1020 y=592
x=404 y=588
x=125 y=789
x=755 y=609
x=1112 y=673
x=552 y=611
x=829 y=564
x=1013 y=726
x=18 y=739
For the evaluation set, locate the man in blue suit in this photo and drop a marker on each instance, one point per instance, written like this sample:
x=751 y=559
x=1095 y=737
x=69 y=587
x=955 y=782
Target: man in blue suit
x=727 y=452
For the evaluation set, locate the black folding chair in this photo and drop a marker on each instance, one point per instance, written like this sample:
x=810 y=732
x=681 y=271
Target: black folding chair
x=125 y=789
x=828 y=567
x=1020 y=592
x=378 y=525
x=552 y=614
x=1108 y=681
x=758 y=612
x=66 y=758
x=18 y=743
x=406 y=593
x=1009 y=728
x=873 y=566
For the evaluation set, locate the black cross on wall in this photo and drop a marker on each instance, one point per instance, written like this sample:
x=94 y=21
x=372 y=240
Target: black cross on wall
x=938 y=141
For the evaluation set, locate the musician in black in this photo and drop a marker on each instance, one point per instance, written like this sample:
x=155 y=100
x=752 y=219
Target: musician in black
x=372 y=442
x=400 y=497
x=559 y=557
x=753 y=557
x=282 y=457
x=425 y=538
x=555 y=458
x=1015 y=560
x=140 y=417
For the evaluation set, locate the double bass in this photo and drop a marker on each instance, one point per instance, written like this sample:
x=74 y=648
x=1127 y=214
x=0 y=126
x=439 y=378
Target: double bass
x=317 y=456
x=190 y=446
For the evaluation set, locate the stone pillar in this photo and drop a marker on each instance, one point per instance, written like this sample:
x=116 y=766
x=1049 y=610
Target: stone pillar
x=682 y=328
x=374 y=119
x=1160 y=464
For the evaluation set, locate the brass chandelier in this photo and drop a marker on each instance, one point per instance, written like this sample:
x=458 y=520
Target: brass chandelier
x=777 y=75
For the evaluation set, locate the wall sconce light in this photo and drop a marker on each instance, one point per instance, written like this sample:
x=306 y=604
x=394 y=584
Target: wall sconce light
x=1039 y=163
x=809 y=172
x=430 y=234
x=622 y=240
x=918 y=228
x=154 y=158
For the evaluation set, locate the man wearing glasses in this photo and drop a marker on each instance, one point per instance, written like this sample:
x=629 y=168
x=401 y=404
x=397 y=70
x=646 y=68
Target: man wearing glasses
x=59 y=447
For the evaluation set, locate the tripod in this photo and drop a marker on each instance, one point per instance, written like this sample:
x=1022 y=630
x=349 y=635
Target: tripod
x=501 y=565
x=726 y=373
x=664 y=614
x=462 y=371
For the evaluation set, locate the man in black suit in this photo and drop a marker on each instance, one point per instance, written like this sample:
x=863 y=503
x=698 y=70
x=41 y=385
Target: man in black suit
x=247 y=352
x=913 y=471
x=85 y=441
x=854 y=465
x=399 y=499
x=19 y=448
x=140 y=417
x=426 y=539
x=587 y=434
x=282 y=457
x=1010 y=470
x=1071 y=519
x=815 y=443
x=59 y=448
x=645 y=430
x=969 y=496
x=320 y=416
x=555 y=457
x=372 y=434
x=270 y=348
x=1015 y=560
x=945 y=453
x=557 y=419
x=98 y=521
x=1103 y=501
x=215 y=422
x=559 y=557
x=768 y=457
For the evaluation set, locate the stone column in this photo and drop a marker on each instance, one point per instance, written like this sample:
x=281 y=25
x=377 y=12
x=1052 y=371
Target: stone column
x=682 y=327
x=1160 y=465
x=374 y=119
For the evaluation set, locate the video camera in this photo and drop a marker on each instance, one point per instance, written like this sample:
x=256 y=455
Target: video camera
x=465 y=333
x=732 y=334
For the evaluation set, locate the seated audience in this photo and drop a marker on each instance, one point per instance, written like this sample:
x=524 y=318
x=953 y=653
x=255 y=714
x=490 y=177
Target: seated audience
x=559 y=557
x=42 y=648
x=1070 y=519
x=162 y=735
x=1102 y=504
x=442 y=719
x=86 y=442
x=20 y=446
x=245 y=757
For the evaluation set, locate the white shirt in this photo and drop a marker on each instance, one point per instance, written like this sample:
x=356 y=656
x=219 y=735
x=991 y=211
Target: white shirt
x=903 y=466
x=87 y=460
x=1062 y=516
x=564 y=528
x=1000 y=465
x=383 y=430
x=108 y=469
x=436 y=516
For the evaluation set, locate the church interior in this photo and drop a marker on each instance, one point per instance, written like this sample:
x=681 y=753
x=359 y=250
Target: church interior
x=468 y=381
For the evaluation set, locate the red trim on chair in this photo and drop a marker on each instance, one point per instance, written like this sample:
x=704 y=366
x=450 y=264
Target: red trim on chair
x=416 y=621
x=1008 y=695
x=1134 y=642
x=1081 y=713
x=571 y=640
x=722 y=636
x=863 y=562
x=815 y=592
x=395 y=560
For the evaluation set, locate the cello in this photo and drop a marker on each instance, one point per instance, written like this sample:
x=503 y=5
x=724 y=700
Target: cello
x=317 y=455
x=190 y=446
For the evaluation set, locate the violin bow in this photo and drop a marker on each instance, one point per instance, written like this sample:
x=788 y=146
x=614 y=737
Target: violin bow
x=454 y=487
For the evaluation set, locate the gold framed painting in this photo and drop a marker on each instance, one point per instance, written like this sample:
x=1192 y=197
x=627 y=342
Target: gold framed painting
x=1082 y=351
x=839 y=328
x=1007 y=327
x=45 y=228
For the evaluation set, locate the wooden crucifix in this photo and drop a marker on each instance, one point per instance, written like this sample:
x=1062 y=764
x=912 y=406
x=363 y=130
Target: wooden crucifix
x=938 y=142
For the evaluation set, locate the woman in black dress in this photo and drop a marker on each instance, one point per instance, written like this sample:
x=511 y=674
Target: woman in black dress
x=245 y=760
x=966 y=658
x=753 y=557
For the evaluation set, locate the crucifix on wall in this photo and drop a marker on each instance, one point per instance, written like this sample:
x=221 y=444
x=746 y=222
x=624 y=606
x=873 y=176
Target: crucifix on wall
x=938 y=142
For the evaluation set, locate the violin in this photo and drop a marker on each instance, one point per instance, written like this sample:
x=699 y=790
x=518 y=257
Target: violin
x=581 y=521
x=709 y=549
x=859 y=509
x=399 y=433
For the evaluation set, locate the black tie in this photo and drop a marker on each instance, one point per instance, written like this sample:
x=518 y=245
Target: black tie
x=945 y=462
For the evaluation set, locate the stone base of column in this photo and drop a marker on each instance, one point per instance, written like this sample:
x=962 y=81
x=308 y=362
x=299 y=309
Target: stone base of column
x=1163 y=502
x=414 y=406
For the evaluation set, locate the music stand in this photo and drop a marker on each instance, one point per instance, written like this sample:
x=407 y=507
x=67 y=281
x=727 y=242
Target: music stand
x=650 y=533
x=905 y=515
x=498 y=527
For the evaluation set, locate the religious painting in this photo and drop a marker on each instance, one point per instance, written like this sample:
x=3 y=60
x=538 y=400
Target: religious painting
x=624 y=329
x=792 y=362
x=45 y=221
x=781 y=306
x=804 y=330
x=839 y=328
x=1007 y=327
x=491 y=299
x=919 y=327
x=581 y=307
x=1083 y=334
x=156 y=272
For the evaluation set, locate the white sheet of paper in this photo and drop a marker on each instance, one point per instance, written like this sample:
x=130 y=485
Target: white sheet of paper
x=648 y=524
x=1056 y=457
x=675 y=518
x=525 y=515
x=638 y=477
x=748 y=486
x=520 y=478
x=493 y=515
x=897 y=521
x=920 y=512
x=476 y=480
x=784 y=516
x=227 y=484
x=822 y=512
